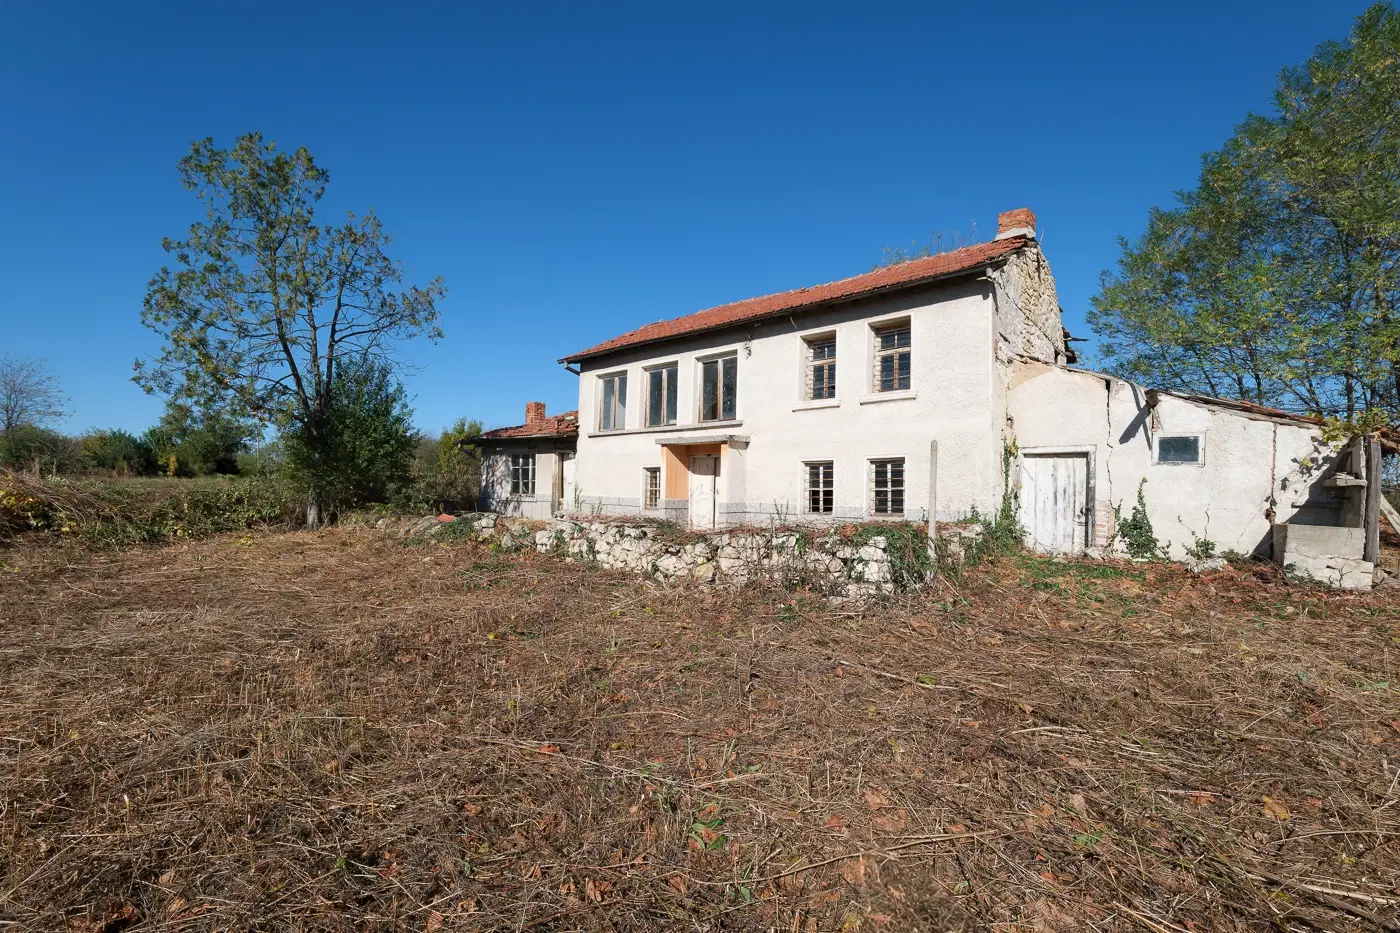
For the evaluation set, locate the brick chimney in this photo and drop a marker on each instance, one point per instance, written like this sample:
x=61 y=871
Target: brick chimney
x=534 y=412
x=1020 y=222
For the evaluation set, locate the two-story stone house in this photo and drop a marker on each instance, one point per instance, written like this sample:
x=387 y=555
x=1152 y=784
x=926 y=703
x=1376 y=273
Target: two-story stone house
x=928 y=389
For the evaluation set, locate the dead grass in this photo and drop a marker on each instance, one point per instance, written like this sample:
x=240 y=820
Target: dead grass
x=333 y=731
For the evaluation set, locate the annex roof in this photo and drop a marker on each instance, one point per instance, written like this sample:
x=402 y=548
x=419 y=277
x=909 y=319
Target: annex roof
x=565 y=425
x=903 y=275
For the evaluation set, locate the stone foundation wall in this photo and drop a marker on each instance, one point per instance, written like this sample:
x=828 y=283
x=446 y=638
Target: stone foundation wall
x=857 y=568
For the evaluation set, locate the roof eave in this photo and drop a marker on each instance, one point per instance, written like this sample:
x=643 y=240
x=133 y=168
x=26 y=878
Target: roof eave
x=825 y=303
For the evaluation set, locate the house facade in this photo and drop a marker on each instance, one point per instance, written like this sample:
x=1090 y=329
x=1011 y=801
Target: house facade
x=929 y=390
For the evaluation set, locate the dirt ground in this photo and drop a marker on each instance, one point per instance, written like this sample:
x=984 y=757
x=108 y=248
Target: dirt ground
x=334 y=731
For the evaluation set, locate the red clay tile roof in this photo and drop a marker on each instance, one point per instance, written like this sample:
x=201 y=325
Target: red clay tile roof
x=857 y=286
x=565 y=425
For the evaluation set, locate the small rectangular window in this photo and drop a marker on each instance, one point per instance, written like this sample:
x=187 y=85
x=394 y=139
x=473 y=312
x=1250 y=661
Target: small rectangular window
x=651 y=477
x=522 y=474
x=820 y=487
x=1180 y=448
x=887 y=487
x=821 y=367
x=719 y=384
x=891 y=365
x=612 y=416
x=661 y=395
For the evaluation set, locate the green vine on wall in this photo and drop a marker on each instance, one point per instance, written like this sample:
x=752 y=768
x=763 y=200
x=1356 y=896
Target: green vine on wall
x=1135 y=531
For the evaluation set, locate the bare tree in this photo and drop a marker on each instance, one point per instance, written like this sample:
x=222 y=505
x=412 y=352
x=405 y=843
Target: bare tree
x=29 y=394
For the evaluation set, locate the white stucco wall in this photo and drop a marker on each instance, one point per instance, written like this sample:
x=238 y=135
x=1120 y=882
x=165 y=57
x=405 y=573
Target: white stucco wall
x=952 y=398
x=1251 y=465
x=495 y=480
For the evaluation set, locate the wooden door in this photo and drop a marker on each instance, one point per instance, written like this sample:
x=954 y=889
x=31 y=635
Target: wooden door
x=567 y=470
x=704 y=492
x=1054 y=508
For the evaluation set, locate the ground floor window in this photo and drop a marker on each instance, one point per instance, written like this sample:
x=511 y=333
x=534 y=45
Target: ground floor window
x=522 y=474
x=887 y=487
x=820 y=486
x=651 y=487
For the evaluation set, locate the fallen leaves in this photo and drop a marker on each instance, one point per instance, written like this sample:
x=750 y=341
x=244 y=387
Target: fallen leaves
x=1275 y=810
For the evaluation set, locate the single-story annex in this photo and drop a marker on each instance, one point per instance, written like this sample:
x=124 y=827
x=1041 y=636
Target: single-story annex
x=926 y=390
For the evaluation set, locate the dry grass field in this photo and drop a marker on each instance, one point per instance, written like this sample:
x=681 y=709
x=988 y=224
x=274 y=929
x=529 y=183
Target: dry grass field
x=334 y=731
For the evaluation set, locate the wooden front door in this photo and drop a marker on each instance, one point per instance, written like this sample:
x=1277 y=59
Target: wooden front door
x=1055 y=502
x=568 y=469
x=704 y=491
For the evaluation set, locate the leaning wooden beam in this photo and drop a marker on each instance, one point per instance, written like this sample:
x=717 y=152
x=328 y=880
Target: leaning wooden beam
x=1390 y=514
x=1372 y=522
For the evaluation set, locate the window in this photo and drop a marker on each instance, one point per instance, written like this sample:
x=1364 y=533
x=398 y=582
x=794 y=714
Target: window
x=719 y=384
x=651 y=487
x=1179 y=448
x=613 y=414
x=522 y=474
x=887 y=487
x=661 y=395
x=821 y=367
x=820 y=487
x=891 y=369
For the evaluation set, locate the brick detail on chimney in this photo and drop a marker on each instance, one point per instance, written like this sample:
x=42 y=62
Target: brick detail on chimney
x=534 y=412
x=1016 y=223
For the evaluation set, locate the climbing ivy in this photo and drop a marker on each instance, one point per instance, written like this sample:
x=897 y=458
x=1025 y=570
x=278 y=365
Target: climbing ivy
x=1135 y=531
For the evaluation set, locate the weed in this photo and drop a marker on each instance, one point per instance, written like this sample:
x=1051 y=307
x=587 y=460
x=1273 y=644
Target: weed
x=1135 y=531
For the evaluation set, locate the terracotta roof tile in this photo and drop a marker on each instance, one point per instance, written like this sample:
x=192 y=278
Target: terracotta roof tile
x=565 y=425
x=752 y=309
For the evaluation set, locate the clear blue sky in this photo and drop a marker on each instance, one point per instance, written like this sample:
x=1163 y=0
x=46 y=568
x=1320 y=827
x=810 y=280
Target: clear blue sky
x=574 y=171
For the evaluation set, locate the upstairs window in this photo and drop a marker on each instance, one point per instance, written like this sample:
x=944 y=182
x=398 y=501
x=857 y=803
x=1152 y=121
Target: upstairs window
x=612 y=416
x=821 y=367
x=887 y=487
x=891 y=369
x=651 y=487
x=1179 y=448
x=522 y=474
x=719 y=385
x=661 y=395
x=821 y=487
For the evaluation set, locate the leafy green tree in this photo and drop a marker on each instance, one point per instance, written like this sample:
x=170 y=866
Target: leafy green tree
x=447 y=468
x=118 y=451
x=263 y=305
x=361 y=447
x=201 y=442
x=39 y=450
x=1276 y=280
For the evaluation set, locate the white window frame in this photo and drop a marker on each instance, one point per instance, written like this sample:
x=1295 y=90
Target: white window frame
x=522 y=474
x=1200 y=437
x=826 y=487
x=619 y=399
x=670 y=383
x=718 y=359
x=877 y=330
x=872 y=480
x=650 y=504
x=810 y=365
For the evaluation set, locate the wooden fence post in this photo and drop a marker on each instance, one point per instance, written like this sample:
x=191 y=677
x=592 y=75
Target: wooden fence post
x=1372 y=514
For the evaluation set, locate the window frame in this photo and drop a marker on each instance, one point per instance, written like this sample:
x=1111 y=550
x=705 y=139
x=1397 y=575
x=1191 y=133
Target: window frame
x=877 y=330
x=670 y=394
x=874 y=487
x=522 y=467
x=1200 y=437
x=650 y=503
x=810 y=364
x=824 y=490
x=619 y=380
x=718 y=360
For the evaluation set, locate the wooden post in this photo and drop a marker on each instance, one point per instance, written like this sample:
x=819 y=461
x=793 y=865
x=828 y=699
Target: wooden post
x=1372 y=520
x=932 y=493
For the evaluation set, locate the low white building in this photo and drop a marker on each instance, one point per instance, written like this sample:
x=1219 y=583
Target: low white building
x=926 y=390
x=527 y=469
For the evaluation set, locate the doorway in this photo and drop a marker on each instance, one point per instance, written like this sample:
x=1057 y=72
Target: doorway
x=704 y=490
x=1055 y=499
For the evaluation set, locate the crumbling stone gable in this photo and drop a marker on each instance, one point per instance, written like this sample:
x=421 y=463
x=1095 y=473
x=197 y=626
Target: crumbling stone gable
x=1028 y=309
